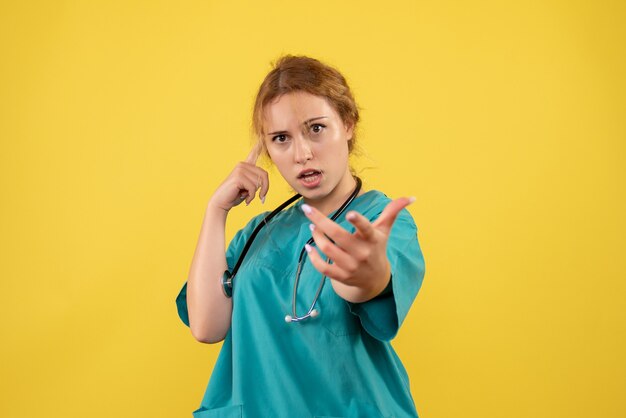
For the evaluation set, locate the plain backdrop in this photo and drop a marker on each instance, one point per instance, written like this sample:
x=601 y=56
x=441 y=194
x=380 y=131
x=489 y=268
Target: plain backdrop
x=118 y=119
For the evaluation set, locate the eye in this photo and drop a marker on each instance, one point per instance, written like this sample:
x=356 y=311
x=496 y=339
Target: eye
x=317 y=127
x=279 y=138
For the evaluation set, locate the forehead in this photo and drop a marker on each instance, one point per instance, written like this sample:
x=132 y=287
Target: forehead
x=294 y=108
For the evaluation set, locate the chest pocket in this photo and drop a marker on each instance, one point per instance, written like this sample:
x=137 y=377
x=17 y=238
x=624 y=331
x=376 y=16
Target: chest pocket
x=260 y=278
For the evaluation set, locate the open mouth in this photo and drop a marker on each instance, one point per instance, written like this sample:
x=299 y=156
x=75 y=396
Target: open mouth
x=310 y=178
x=309 y=174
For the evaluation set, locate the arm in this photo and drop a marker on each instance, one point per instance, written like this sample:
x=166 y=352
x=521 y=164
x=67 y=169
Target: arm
x=381 y=316
x=209 y=310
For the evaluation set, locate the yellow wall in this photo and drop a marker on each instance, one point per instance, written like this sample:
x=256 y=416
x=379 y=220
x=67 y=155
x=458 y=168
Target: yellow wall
x=505 y=119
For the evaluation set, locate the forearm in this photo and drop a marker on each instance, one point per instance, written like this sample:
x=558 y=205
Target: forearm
x=209 y=310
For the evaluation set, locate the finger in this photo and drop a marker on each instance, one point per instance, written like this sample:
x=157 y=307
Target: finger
x=329 y=270
x=247 y=188
x=328 y=227
x=264 y=182
x=259 y=177
x=341 y=258
x=390 y=213
x=253 y=156
x=265 y=187
x=365 y=229
x=255 y=182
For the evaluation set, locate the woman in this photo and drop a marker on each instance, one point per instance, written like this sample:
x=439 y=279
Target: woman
x=324 y=350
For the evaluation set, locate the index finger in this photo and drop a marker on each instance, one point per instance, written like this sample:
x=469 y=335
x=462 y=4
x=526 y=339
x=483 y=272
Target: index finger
x=390 y=213
x=327 y=226
x=362 y=224
x=254 y=153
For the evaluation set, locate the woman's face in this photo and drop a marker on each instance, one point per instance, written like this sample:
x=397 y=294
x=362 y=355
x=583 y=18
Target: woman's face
x=308 y=142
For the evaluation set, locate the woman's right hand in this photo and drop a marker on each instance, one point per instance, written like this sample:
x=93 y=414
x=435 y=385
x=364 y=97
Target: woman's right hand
x=242 y=183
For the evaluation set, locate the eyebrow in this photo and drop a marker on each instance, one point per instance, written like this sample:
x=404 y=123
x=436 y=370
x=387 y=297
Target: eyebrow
x=304 y=123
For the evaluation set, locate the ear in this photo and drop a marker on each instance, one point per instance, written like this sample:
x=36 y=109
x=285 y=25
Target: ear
x=350 y=131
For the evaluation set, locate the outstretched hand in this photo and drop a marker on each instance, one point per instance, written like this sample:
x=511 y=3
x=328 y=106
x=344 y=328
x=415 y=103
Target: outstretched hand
x=360 y=269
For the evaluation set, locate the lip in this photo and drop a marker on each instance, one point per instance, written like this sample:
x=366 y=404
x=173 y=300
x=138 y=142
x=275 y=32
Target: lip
x=310 y=184
x=307 y=170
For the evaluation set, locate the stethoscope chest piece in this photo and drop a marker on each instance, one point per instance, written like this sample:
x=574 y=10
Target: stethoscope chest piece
x=227 y=284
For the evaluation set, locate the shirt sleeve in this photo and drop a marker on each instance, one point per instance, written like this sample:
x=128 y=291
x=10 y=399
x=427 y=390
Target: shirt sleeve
x=382 y=316
x=235 y=247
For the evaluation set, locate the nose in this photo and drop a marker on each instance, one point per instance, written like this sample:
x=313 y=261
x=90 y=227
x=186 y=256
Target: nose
x=302 y=150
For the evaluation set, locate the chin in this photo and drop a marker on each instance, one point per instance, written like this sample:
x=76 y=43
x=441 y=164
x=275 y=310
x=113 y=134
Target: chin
x=309 y=193
x=312 y=194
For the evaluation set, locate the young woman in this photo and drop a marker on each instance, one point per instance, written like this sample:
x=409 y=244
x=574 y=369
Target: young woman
x=314 y=293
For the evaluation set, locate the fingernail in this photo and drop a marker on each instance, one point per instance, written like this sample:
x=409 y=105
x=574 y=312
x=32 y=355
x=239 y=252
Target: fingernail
x=350 y=216
x=411 y=199
x=306 y=208
x=308 y=248
x=263 y=199
x=311 y=227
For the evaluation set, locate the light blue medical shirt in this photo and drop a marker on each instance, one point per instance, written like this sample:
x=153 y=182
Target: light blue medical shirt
x=338 y=364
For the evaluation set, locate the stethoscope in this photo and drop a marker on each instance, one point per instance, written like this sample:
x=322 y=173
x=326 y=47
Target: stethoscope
x=227 y=277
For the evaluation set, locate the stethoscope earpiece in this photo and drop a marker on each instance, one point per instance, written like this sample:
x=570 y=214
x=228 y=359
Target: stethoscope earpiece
x=312 y=314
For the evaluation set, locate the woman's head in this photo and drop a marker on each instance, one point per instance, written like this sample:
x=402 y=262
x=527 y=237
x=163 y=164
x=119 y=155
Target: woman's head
x=304 y=119
x=300 y=73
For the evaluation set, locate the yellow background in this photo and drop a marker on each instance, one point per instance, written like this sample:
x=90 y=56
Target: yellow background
x=506 y=120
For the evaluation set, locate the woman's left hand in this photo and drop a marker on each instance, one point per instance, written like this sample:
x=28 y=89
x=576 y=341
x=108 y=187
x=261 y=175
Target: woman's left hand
x=360 y=269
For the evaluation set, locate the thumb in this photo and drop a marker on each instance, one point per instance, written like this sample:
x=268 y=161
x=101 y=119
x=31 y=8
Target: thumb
x=390 y=213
